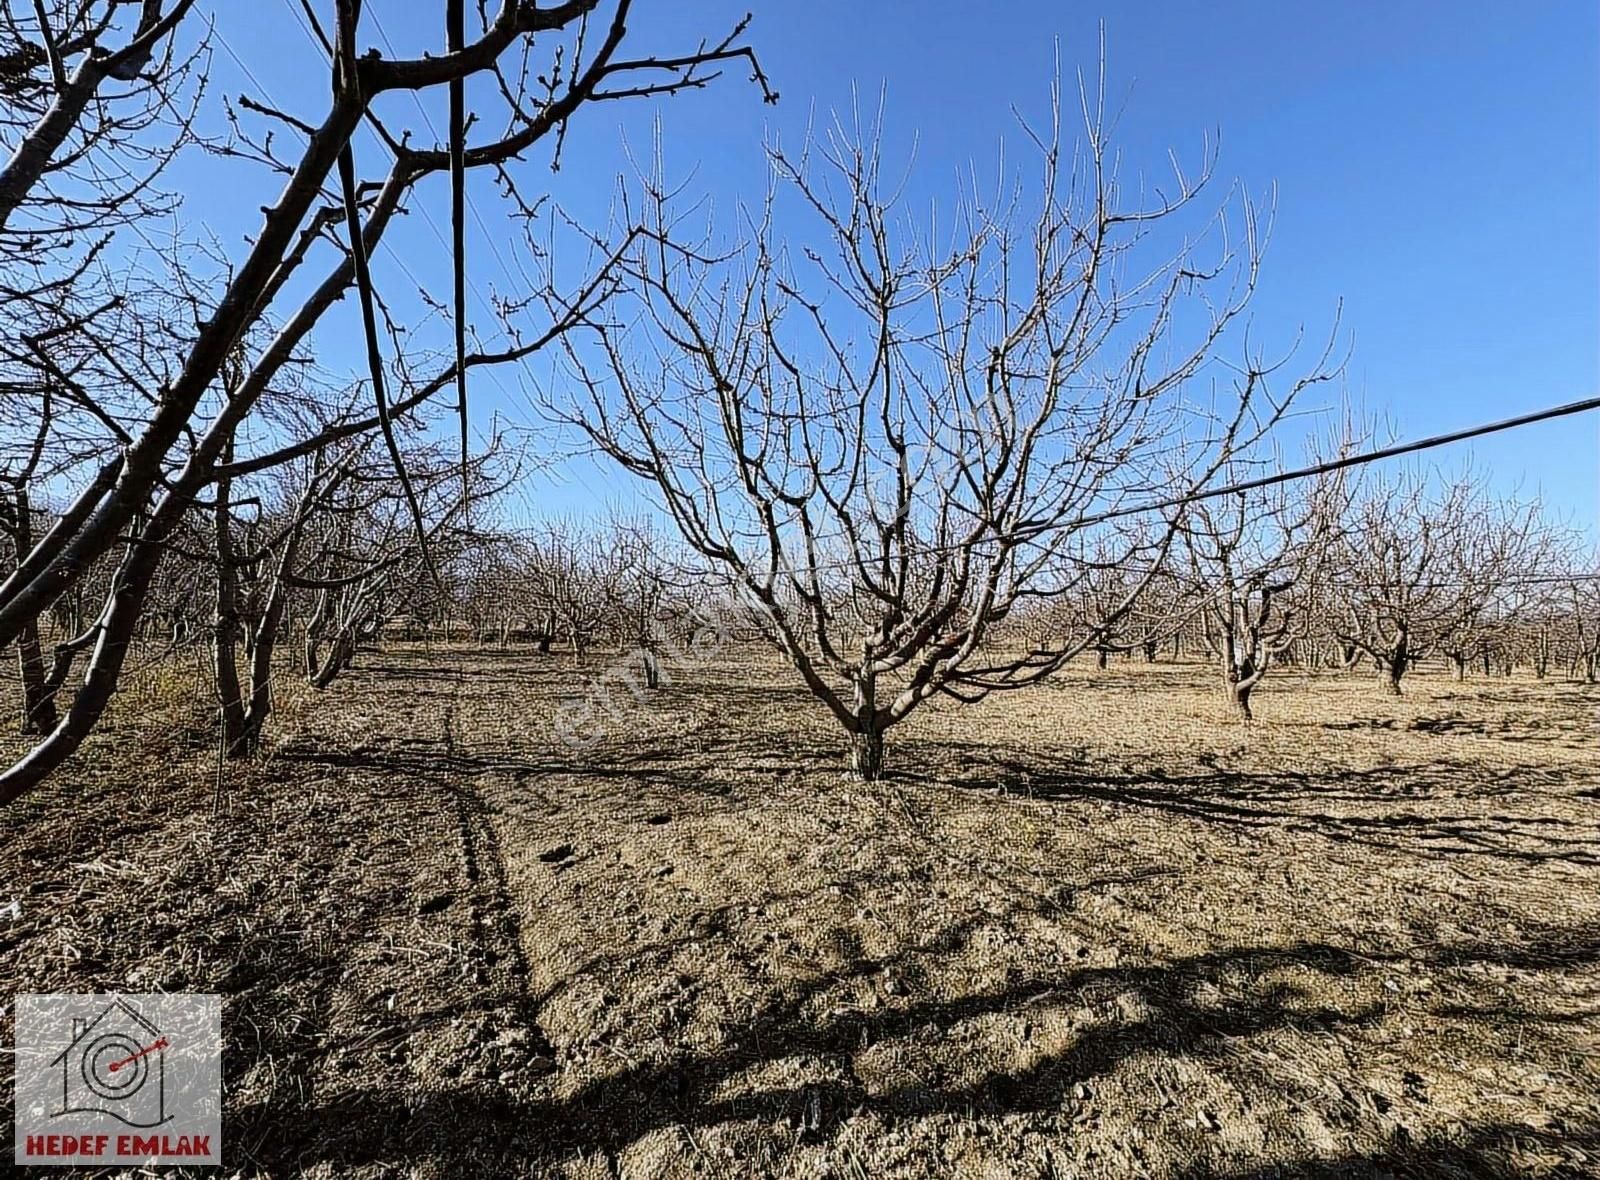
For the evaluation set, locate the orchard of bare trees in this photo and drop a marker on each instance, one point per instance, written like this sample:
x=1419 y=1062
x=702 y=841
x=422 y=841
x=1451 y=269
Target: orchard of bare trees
x=150 y=387
x=885 y=456
x=901 y=459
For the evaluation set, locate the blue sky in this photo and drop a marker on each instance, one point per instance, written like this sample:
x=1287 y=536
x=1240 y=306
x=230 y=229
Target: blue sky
x=1437 y=168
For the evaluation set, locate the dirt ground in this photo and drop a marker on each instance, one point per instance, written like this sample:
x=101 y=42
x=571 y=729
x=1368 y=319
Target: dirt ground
x=1093 y=929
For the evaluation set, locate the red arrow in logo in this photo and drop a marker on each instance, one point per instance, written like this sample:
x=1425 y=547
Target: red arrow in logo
x=116 y=1065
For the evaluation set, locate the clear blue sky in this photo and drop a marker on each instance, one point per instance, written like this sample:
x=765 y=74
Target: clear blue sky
x=1438 y=168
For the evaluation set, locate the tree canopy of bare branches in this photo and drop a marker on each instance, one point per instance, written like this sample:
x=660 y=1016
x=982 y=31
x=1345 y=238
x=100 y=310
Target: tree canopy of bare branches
x=890 y=435
x=1421 y=563
x=80 y=74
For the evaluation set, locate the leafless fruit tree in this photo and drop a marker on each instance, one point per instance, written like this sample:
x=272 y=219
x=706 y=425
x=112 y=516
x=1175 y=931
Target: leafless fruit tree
x=1114 y=597
x=95 y=100
x=889 y=437
x=1420 y=565
x=1247 y=552
x=568 y=569
x=1508 y=556
x=637 y=587
x=244 y=335
x=1579 y=596
x=363 y=562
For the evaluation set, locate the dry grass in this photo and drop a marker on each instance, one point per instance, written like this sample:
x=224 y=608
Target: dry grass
x=1093 y=929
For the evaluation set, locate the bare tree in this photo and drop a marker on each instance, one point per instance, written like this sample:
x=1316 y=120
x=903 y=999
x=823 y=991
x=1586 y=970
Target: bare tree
x=1114 y=596
x=255 y=614
x=887 y=445
x=129 y=505
x=1525 y=554
x=1580 y=598
x=366 y=564
x=567 y=568
x=1420 y=566
x=82 y=153
x=20 y=521
x=95 y=101
x=1247 y=552
x=636 y=588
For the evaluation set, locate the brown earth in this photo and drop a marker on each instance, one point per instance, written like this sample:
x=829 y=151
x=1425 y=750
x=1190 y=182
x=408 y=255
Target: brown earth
x=1093 y=929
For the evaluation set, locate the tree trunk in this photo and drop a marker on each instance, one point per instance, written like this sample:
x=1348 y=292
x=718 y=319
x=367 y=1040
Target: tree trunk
x=1460 y=662
x=225 y=634
x=260 y=703
x=866 y=753
x=866 y=741
x=265 y=639
x=325 y=675
x=340 y=655
x=316 y=633
x=38 y=702
x=1398 y=661
x=1238 y=674
x=1100 y=657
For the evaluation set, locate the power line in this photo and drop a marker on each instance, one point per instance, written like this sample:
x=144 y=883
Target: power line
x=1406 y=448
x=1437 y=440
x=267 y=94
x=239 y=61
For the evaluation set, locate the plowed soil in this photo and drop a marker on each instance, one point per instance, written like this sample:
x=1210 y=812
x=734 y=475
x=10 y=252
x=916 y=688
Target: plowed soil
x=1092 y=929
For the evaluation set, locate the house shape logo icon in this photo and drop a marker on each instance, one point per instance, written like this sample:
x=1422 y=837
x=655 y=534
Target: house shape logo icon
x=115 y=1065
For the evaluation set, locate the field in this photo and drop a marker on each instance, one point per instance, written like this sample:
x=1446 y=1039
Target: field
x=1092 y=929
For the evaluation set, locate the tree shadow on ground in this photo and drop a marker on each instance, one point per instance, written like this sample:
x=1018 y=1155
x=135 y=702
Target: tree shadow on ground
x=1297 y=801
x=1201 y=1007
x=1487 y=1151
x=1198 y=1007
x=710 y=770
